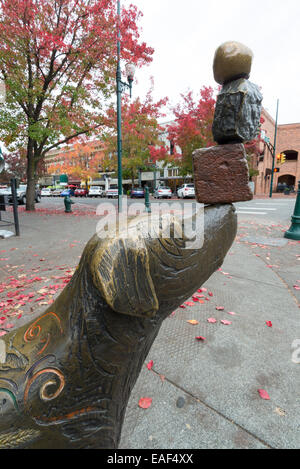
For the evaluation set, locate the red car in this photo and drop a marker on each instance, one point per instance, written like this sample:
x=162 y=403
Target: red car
x=81 y=192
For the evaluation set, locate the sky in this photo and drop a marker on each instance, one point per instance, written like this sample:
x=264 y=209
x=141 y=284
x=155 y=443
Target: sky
x=186 y=33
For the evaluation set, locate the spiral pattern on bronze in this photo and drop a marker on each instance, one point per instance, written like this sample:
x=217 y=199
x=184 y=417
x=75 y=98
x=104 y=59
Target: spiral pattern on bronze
x=43 y=391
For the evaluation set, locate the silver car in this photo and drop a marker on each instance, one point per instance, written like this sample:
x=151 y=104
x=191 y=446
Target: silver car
x=162 y=192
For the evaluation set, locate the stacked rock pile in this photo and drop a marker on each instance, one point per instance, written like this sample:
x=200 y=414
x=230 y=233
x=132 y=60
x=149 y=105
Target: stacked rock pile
x=221 y=172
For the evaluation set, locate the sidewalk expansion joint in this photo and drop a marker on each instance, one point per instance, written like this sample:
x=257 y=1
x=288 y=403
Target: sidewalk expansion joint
x=285 y=284
x=240 y=427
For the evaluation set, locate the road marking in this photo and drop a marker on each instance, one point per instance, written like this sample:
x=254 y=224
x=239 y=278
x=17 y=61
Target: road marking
x=257 y=208
x=252 y=213
x=283 y=204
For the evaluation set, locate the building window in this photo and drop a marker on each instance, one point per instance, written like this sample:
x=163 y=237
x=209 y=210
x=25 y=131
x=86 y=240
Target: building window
x=291 y=155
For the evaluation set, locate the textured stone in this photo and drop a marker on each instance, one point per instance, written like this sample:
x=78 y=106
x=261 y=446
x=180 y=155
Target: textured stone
x=237 y=112
x=221 y=174
x=232 y=60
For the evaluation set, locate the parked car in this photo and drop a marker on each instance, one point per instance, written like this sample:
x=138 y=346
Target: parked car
x=137 y=192
x=4 y=190
x=162 y=192
x=21 y=194
x=186 y=190
x=56 y=192
x=96 y=191
x=81 y=192
x=46 y=192
x=66 y=192
x=112 y=193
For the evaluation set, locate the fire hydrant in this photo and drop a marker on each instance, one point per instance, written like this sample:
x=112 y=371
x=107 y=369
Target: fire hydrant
x=68 y=202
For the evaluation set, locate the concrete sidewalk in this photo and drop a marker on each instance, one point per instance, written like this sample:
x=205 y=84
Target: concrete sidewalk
x=204 y=393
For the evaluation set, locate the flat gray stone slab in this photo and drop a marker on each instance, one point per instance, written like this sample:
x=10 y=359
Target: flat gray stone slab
x=279 y=242
x=6 y=234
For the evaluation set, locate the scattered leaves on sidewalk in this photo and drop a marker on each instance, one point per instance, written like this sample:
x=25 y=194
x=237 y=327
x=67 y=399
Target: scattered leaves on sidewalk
x=212 y=320
x=269 y=323
x=200 y=338
x=194 y=322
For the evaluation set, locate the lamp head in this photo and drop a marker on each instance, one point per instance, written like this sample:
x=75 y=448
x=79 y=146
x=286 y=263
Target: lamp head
x=130 y=70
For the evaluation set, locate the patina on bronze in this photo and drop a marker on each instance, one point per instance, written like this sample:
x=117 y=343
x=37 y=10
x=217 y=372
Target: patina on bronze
x=66 y=377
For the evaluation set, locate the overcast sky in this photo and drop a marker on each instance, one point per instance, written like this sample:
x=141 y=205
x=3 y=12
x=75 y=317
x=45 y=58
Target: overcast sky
x=185 y=35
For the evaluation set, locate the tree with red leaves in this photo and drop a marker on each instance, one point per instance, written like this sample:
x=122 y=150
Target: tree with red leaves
x=15 y=166
x=58 y=61
x=142 y=144
x=253 y=152
x=82 y=161
x=192 y=128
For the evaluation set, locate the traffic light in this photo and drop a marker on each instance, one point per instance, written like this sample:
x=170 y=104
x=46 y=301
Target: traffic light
x=278 y=157
x=282 y=158
x=276 y=170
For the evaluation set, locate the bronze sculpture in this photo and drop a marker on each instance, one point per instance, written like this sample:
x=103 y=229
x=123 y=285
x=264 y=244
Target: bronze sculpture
x=65 y=378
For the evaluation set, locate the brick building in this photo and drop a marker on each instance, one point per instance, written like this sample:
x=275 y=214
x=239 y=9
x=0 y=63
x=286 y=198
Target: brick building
x=287 y=142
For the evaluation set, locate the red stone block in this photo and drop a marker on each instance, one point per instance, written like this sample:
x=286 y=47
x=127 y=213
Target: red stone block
x=221 y=174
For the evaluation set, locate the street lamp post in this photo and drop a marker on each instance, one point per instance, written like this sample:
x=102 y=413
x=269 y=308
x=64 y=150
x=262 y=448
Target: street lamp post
x=121 y=86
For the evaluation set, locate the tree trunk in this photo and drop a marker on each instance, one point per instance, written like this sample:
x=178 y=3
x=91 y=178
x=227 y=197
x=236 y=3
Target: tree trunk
x=30 y=193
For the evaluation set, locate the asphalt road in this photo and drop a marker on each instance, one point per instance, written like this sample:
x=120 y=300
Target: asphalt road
x=263 y=211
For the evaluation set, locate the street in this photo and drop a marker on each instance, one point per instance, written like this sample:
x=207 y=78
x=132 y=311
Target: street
x=260 y=210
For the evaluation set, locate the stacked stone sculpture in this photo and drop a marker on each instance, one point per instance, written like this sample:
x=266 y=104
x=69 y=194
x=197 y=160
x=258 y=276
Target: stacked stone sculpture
x=221 y=172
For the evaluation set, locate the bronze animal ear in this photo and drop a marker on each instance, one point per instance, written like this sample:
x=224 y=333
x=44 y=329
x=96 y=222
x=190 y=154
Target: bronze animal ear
x=120 y=269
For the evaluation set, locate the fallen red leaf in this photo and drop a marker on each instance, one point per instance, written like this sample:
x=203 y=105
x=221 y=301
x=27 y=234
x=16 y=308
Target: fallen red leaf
x=145 y=402
x=200 y=338
x=150 y=365
x=269 y=323
x=263 y=394
x=227 y=323
x=211 y=320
